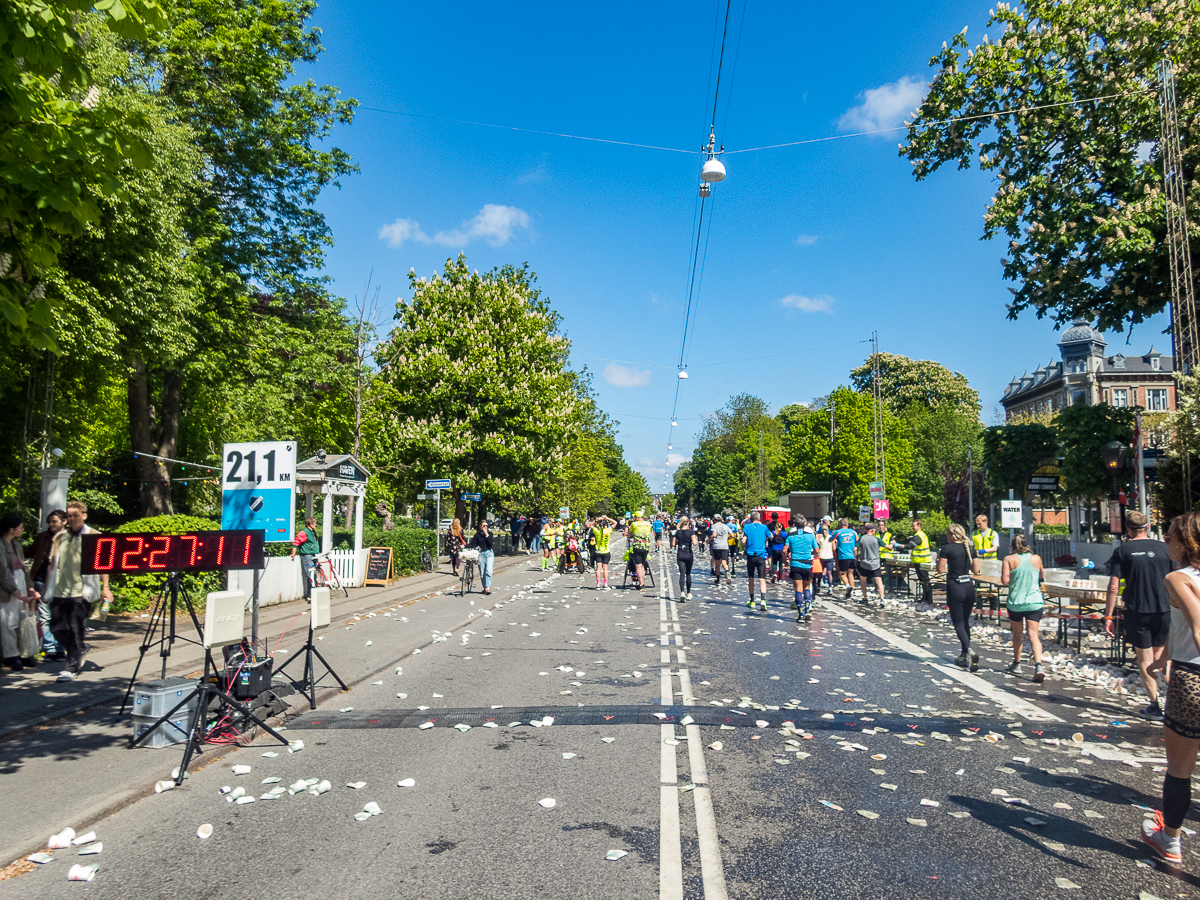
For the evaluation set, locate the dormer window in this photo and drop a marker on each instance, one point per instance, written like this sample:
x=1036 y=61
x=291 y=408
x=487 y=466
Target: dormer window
x=1118 y=361
x=1154 y=363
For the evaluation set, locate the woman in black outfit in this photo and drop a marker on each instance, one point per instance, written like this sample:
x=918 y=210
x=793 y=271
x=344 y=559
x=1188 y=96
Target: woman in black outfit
x=684 y=542
x=957 y=560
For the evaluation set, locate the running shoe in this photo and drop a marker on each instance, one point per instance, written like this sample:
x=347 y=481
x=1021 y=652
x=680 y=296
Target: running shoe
x=1039 y=674
x=974 y=661
x=750 y=603
x=1163 y=846
x=1153 y=711
x=962 y=661
x=65 y=675
x=1013 y=668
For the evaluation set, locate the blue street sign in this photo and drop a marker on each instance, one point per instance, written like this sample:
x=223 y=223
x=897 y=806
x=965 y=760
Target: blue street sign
x=433 y=484
x=467 y=496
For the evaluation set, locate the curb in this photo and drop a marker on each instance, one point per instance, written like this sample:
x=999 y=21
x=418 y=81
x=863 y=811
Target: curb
x=125 y=797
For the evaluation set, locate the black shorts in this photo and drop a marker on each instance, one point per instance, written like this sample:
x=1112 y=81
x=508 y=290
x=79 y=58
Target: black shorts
x=1146 y=630
x=1033 y=615
x=638 y=557
x=847 y=565
x=756 y=567
x=797 y=574
x=865 y=572
x=720 y=554
x=604 y=558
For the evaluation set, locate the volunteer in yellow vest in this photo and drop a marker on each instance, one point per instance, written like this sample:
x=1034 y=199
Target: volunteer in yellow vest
x=918 y=546
x=885 y=553
x=550 y=537
x=987 y=541
x=602 y=533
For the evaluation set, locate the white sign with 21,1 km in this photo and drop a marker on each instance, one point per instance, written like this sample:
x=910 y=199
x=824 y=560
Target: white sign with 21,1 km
x=258 y=487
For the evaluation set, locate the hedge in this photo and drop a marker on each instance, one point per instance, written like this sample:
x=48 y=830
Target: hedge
x=406 y=544
x=137 y=592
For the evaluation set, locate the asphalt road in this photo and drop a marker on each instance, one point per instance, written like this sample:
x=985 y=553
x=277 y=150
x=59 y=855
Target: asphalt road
x=744 y=820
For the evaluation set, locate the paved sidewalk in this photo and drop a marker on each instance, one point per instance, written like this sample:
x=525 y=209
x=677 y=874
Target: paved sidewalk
x=63 y=749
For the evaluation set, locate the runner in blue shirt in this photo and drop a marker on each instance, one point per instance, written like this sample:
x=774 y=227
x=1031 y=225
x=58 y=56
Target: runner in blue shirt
x=845 y=540
x=754 y=541
x=658 y=532
x=800 y=549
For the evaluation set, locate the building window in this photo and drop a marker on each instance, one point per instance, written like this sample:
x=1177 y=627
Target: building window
x=1154 y=363
x=1118 y=361
x=1120 y=397
x=1156 y=399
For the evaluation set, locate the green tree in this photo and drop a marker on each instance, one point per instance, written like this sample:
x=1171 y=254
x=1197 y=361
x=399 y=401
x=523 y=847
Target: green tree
x=1063 y=109
x=904 y=381
x=811 y=462
x=476 y=383
x=61 y=143
x=749 y=438
x=1013 y=452
x=941 y=437
x=1081 y=432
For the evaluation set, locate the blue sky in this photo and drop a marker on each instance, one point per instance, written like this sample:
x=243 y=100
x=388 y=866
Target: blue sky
x=811 y=248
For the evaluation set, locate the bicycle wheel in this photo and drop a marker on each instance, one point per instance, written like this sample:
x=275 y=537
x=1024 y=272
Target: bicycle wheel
x=335 y=583
x=318 y=576
x=426 y=560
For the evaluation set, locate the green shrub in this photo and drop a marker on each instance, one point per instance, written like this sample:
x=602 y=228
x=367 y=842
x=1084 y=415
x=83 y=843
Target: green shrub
x=137 y=592
x=936 y=525
x=1039 y=528
x=406 y=544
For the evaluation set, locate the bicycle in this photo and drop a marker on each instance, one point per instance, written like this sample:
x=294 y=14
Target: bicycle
x=324 y=574
x=426 y=560
x=468 y=559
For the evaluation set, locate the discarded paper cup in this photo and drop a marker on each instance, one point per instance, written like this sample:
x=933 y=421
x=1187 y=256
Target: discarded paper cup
x=362 y=816
x=92 y=849
x=62 y=839
x=84 y=839
x=160 y=786
x=242 y=801
x=372 y=808
x=407 y=782
x=241 y=770
x=548 y=802
x=1077 y=737
x=83 y=873
x=298 y=787
x=204 y=832
x=236 y=794
x=321 y=787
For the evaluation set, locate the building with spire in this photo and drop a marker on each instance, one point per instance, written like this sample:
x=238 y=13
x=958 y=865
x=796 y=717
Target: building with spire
x=1087 y=374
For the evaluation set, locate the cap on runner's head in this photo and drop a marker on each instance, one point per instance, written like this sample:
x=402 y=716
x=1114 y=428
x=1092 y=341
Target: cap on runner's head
x=827 y=518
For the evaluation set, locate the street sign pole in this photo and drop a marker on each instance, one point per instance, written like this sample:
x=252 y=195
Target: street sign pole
x=1141 y=464
x=970 y=493
x=437 y=526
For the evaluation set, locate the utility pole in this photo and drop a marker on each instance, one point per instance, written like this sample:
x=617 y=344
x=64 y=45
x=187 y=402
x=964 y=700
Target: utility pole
x=832 y=447
x=1183 y=286
x=970 y=493
x=877 y=397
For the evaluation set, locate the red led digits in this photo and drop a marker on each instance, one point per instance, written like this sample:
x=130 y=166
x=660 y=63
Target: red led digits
x=191 y=560
x=101 y=562
x=126 y=562
x=246 y=555
x=221 y=550
x=161 y=552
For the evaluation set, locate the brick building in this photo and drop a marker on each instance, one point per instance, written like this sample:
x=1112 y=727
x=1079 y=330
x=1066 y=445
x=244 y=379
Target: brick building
x=1087 y=374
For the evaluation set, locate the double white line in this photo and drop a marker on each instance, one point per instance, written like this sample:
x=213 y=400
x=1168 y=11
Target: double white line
x=670 y=854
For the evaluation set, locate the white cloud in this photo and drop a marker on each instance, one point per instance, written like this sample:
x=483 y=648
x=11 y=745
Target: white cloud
x=402 y=230
x=494 y=224
x=621 y=376
x=806 y=240
x=819 y=303
x=676 y=459
x=885 y=106
x=649 y=468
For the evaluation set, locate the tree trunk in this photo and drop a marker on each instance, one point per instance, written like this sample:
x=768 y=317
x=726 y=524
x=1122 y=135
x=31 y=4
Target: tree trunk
x=150 y=438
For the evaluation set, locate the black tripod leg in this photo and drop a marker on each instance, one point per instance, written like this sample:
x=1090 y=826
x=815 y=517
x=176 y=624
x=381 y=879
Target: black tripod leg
x=245 y=711
x=159 y=723
x=310 y=674
x=199 y=724
x=155 y=621
x=329 y=669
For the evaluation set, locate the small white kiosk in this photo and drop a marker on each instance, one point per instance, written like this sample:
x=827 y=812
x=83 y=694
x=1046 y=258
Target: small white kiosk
x=339 y=475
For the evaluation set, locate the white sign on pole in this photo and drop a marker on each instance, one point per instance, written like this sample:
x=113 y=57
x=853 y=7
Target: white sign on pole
x=1010 y=514
x=864 y=514
x=258 y=488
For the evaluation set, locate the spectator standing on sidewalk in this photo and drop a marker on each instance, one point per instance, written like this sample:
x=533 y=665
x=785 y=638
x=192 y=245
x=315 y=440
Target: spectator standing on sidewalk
x=516 y=526
x=1181 y=721
x=1144 y=564
x=40 y=567
x=18 y=599
x=483 y=541
x=455 y=541
x=73 y=592
x=308 y=544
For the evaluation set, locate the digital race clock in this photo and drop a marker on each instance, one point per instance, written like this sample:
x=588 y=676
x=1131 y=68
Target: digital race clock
x=192 y=551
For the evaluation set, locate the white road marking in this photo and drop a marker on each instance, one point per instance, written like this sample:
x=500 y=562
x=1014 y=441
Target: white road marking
x=712 y=869
x=1010 y=702
x=670 y=850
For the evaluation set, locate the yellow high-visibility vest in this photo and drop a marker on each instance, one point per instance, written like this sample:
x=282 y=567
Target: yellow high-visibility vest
x=921 y=552
x=885 y=545
x=983 y=541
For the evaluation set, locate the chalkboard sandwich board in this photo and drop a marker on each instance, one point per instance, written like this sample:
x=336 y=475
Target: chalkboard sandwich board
x=379 y=566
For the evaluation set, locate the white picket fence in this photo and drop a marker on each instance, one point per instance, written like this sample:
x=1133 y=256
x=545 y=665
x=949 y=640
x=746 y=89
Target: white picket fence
x=280 y=581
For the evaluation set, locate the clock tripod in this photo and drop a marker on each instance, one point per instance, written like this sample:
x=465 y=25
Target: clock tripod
x=162 y=623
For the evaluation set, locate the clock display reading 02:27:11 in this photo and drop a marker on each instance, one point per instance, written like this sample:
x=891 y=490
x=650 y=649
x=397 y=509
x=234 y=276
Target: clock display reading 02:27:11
x=192 y=551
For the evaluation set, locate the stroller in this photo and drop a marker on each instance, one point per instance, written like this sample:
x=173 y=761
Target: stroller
x=571 y=556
